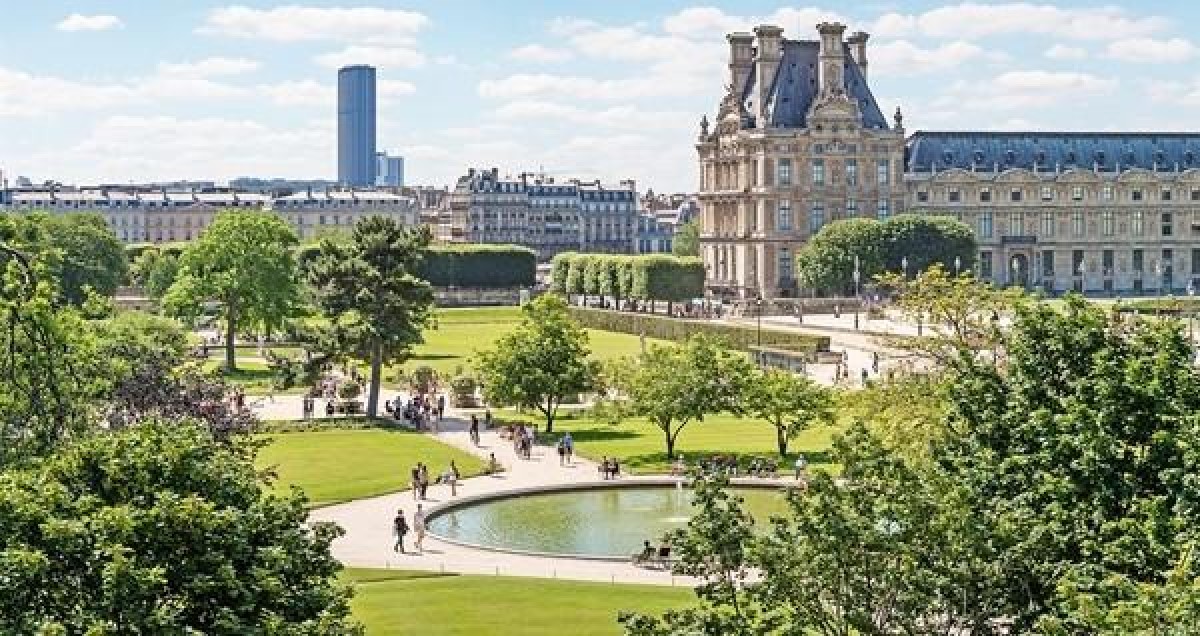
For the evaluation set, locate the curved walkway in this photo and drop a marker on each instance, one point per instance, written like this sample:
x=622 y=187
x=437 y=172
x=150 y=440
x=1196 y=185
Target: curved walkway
x=368 y=522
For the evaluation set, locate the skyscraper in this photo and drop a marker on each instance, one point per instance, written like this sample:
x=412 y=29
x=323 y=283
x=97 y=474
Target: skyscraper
x=389 y=170
x=356 y=125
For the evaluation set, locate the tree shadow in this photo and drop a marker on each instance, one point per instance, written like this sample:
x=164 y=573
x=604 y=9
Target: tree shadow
x=585 y=435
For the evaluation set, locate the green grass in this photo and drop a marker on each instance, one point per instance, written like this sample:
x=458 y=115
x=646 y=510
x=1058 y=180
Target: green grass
x=253 y=377
x=395 y=602
x=641 y=447
x=340 y=465
x=461 y=333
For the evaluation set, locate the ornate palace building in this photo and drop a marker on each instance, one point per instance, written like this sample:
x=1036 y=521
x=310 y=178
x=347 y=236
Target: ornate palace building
x=799 y=141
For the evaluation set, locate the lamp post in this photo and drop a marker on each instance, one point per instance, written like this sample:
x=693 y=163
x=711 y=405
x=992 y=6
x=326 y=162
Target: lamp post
x=758 y=303
x=957 y=265
x=1191 y=292
x=857 y=294
x=1158 y=270
x=904 y=266
x=1016 y=268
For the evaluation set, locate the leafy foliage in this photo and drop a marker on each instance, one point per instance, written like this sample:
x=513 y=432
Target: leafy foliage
x=541 y=362
x=159 y=529
x=487 y=266
x=79 y=252
x=368 y=290
x=155 y=271
x=672 y=386
x=243 y=262
x=826 y=262
x=686 y=241
x=789 y=402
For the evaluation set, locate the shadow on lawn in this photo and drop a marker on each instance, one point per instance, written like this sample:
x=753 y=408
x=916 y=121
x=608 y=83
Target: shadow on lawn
x=585 y=435
x=658 y=462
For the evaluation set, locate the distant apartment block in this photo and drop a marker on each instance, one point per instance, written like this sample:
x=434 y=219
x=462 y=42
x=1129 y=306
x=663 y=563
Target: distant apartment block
x=389 y=170
x=546 y=215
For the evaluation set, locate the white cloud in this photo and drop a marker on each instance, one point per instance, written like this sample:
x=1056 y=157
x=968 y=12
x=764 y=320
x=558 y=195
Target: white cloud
x=309 y=92
x=1015 y=90
x=709 y=22
x=1175 y=92
x=79 y=22
x=294 y=23
x=540 y=54
x=390 y=89
x=209 y=67
x=901 y=57
x=527 y=85
x=125 y=147
x=26 y=95
x=569 y=26
x=1151 y=50
x=616 y=117
x=972 y=20
x=393 y=57
x=1065 y=52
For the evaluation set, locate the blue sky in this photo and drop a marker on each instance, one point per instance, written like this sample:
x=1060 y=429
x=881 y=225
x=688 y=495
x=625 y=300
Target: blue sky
x=151 y=90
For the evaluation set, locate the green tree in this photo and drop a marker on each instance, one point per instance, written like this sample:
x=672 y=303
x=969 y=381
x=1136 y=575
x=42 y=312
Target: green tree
x=244 y=262
x=826 y=262
x=686 y=241
x=542 y=361
x=1077 y=451
x=673 y=386
x=788 y=402
x=368 y=290
x=907 y=413
x=160 y=529
x=155 y=271
x=79 y=250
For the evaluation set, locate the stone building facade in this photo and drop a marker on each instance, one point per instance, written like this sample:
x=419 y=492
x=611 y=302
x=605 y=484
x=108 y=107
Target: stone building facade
x=798 y=142
x=1115 y=213
x=541 y=213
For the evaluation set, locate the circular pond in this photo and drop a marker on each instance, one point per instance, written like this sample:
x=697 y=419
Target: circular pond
x=593 y=522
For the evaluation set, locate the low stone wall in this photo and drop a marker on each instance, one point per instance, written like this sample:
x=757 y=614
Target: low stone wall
x=475 y=297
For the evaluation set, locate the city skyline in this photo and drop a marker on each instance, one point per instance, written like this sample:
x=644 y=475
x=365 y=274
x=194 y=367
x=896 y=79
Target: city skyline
x=600 y=92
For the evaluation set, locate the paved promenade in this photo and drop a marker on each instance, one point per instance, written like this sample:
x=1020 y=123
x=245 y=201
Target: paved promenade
x=368 y=522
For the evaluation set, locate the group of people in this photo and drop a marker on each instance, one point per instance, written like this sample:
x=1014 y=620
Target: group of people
x=473 y=430
x=400 y=528
x=649 y=554
x=422 y=411
x=522 y=439
x=420 y=480
x=309 y=407
x=566 y=450
x=609 y=468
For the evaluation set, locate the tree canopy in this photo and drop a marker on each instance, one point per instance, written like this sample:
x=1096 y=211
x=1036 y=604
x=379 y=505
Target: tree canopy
x=160 y=529
x=243 y=262
x=686 y=241
x=541 y=362
x=789 y=402
x=368 y=289
x=79 y=252
x=826 y=262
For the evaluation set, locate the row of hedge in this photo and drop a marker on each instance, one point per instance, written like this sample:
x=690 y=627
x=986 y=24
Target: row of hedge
x=664 y=328
x=649 y=277
x=480 y=266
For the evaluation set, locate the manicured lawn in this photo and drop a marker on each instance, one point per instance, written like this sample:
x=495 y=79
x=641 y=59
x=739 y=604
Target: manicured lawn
x=339 y=465
x=460 y=333
x=395 y=602
x=641 y=447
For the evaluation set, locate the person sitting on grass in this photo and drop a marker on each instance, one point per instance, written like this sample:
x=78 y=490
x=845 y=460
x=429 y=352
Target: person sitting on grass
x=493 y=466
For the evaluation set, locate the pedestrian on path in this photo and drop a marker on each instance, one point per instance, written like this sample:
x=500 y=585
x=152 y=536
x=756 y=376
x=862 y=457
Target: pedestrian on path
x=562 y=452
x=801 y=465
x=419 y=528
x=569 y=442
x=399 y=528
x=875 y=362
x=864 y=377
x=423 y=470
x=416 y=481
x=441 y=406
x=474 y=430
x=452 y=479
x=487 y=419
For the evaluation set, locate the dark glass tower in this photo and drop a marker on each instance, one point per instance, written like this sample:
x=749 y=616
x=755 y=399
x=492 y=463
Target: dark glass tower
x=356 y=126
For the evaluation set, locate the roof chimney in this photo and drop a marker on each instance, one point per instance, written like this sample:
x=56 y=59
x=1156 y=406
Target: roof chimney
x=741 y=59
x=768 y=40
x=832 y=59
x=858 y=49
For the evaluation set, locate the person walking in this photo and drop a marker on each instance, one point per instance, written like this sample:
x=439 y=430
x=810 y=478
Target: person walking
x=801 y=465
x=487 y=419
x=419 y=528
x=416 y=481
x=441 y=406
x=424 y=472
x=875 y=362
x=474 y=430
x=452 y=479
x=864 y=377
x=562 y=452
x=399 y=529
x=569 y=442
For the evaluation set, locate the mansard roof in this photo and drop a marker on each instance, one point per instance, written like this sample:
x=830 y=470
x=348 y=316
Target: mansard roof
x=928 y=151
x=796 y=84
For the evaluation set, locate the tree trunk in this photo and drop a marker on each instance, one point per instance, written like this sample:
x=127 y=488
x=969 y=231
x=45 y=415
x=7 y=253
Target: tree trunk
x=376 y=371
x=782 y=440
x=230 y=332
x=670 y=443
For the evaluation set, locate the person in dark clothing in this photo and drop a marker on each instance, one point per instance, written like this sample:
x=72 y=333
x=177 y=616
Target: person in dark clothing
x=399 y=528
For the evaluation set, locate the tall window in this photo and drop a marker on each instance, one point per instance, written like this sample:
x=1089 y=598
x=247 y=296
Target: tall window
x=1076 y=193
x=1195 y=261
x=1047 y=193
x=818 y=171
x=1014 y=195
x=1138 y=261
x=1047 y=224
x=1077 y=223
x=1136 y=194
x=1016 y=222
x=1047 y=263
x=1107 y=193
x=1167 y=223
x=985 y=224
x=784 y=217
x=953 y=195
x=985 y=264
x=785 y=172
x=852 y=172
x=816 y=218
x=883 y=211
x=851 y=207
x=785 y=264
x=1107 y=227
x=882 y=167
x=985 y=195
x=1137 y=226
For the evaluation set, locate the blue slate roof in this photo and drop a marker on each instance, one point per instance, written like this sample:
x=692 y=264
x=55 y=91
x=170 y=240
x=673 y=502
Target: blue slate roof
x=926 y=151
x=796 y=84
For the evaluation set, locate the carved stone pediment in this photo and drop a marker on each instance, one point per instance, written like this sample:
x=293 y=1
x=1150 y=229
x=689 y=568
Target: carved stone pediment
x=1137 y=175
x=1017 y=175
x=837 y=109
x=1078 y=175
x=1191 y=175
x=956 y=175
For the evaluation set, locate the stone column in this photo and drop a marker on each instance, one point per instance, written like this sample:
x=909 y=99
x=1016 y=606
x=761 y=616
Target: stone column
x=765 y=273
x=765 y=227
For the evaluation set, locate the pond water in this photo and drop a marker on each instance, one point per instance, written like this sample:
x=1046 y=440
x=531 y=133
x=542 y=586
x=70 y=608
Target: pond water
x=595 y=522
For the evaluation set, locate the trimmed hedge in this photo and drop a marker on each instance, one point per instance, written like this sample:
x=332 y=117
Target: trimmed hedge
x=665 y=328
x=134 y=250
x=479 y=266
x=650 y=277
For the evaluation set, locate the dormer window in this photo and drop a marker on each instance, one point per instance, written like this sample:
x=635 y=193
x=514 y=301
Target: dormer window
x=978 y=156
x=1010 y=157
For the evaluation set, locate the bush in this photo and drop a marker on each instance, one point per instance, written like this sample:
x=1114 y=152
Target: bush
x=424 y=378
x=349 y=390
x=653 y=277
x=665 y=328
x=479 y=266
x=560 y=267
